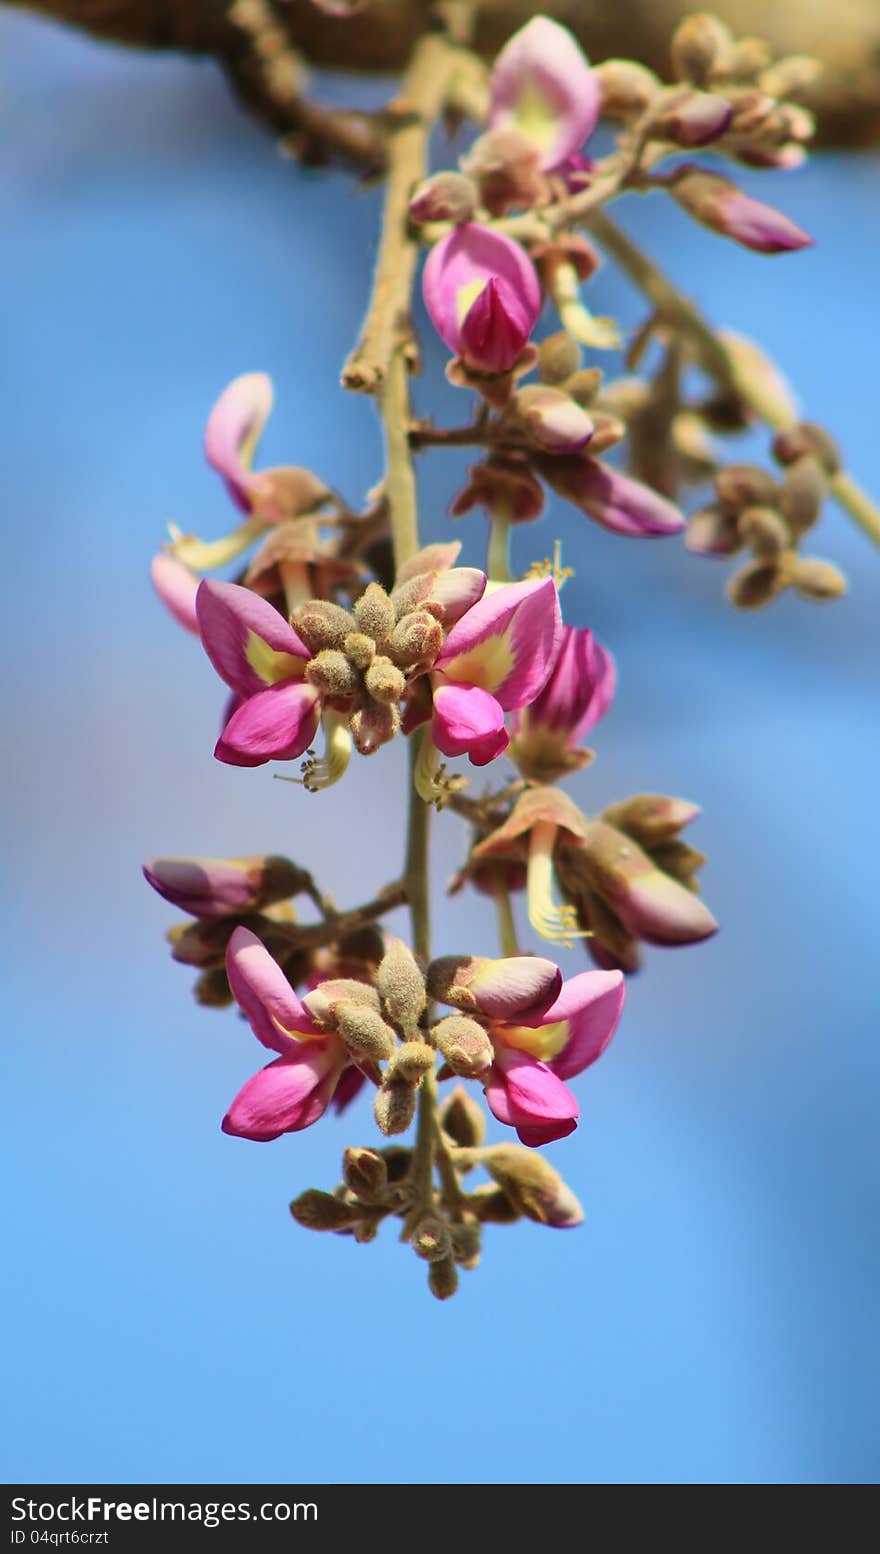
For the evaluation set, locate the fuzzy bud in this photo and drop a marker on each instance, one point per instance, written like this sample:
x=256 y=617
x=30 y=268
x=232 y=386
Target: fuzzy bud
x=493 y=1207
x=533 y=1186
x=463 y=1119
x=322 y=1002
x=411 y=1062
x=755 y=585
x=384 y=681
x=702 y=47
x=695 y=120
x=718 y=204
x=401 y=986
x=373 y=725
x=802 y=493
x=322 y=624
x=443 y=1278
x=212 y=989
x=364 y=1032
x=790 y=76
x=395 y=1107
x=584 y=386
x=221 y=887
x=744 y=485
x=447 y=196
x=626 y=88
x=819 y=580
x=464 y=1044
x=713 y=533
x=650 y=818
x=416 y=639
x=331 y=673
x=365 y=1174
x=359 y=649
x=558 y=357
x=374 y=612
x=804 y=438
x=552 y=419
x=466 y=1243
x=432 y=1240
x=316 y=1210
x=764 y=531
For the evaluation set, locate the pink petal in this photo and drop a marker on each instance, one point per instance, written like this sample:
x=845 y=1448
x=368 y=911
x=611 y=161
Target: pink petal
x=578 y=692
x=482 y=751
x=592 y=1004
x=543 y=72
x=460 y=262
x=177 y=587
x=233 y=431
x=263 y=992
x=458 y=590
x=350 y=1085
x=288 y=1095
x=495 y=328
x=623 y=505
x=431 y=558
x=516 y=988
x=464 y=716
x=507 y=644
x=206 y=887
x=277 y=724
x=249 y=643
x=525 y=1094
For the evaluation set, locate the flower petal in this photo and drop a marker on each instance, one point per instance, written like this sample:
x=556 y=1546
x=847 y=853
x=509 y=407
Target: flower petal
x=457 y=272
x=277 y=724
x=177 y=587
x=465 y=715
x=249 y=643
x=516 y=987
x=592 y=1004
x=233 y=431
x=542 y=85
x=528 y=1096
x=262 y=991
x=288 y=1095
x=507 y=644
x=617 y=502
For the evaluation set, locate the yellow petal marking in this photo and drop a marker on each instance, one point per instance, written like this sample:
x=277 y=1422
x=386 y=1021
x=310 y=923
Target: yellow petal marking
x=270 y=665
x=487 y=664
x=543 y=1043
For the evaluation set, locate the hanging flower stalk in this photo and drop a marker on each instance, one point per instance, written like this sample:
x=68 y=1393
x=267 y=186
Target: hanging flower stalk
x=341 y=631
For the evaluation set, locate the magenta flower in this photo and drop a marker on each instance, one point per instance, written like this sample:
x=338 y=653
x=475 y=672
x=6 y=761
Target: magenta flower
x=483 y=296
x=177 y=587
x=263 y=661
x=296 y=1089
x=718 y=204
x=232 y=435
x=495 y=660
x=616 y=501
x=543 y=1031
x=546 y=732
x=223 y=887
x=542 y=86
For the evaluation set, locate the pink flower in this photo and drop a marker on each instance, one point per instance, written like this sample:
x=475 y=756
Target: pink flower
x=223 y=887
x=718 y=204
x=483 y=296
x=232 y=435
x=177 y=587
x=495 y=659
x=617 y=502
x=263 y=661
x=296 y=1089
x=542 y=85
x=543 y=1031
x=580 y=690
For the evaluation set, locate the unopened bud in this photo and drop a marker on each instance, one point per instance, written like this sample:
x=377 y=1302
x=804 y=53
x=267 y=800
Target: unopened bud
x=558 y=357
x=323 y=1001
x=373 y=725
x=447 y=196
x=212 y=989
x=221 y=887
x=749 y=57
x=756 y=585
x=650 y=818
x=493 y=1207
x=331 y=673
x=443 y=1278
x=359 y=649
x=365 y=1173
x=384 y=680
x=364 y=1032
x=316 y=1210
x=374 y=612
x=432 y=1240
x=411 y=1062
x=711 y=532
x=744 y=485
x=695 y=120
x=790 y=76
x=463 y=1119
x=679 y=860
x=322 y=624
x=533 y=1186
x=802 y=493
x=819 y=580
x=466 y=1243
x=804 y=438
x=464 y=1044
x=584 y=385
x=202 y=943
x=718 y=204
x=626 y=88
x=701 y=48
x=552 y=419
x=395 y=1107
x=764 y=531
x=415 y=639
x=401 y=986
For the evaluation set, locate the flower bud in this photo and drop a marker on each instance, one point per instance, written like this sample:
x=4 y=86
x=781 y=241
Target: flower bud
x=373 y=725
x=718 y=204
x=483 y=296
x=322 y=624
x=744 y=485
x=464 y=1044
x=626 y=88
x=221 y=887
x=443 y=1278
x=702 y=47
x=401 y=986
x=202 y=943
x=463 y=1119
x=819 y=580
x=331 y=673
x=448 y=196
x=316 y=1210
x=558 y=357
x=504 y=165
x=212 y=989
x=802 y=493
x=694 y=120
x=650 y=818
x=395 y=1107
x=533 y=1186
x=493 y=1207
x=552 y=419
x=432 y=1240
x=323 y=1001
x=384 y=681
x=649 y=904
x=359 y=649
x=755 y=585
x=790 y=76
x=467 y=1240
x=364 y=1032
x=764 y=531
x=806 y=437
x=365 y=1174
x=713 y=533
x=411 y=1061
x=374 y=613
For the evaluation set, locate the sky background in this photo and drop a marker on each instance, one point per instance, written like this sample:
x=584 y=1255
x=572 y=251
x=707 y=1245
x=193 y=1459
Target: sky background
x=162 y=1318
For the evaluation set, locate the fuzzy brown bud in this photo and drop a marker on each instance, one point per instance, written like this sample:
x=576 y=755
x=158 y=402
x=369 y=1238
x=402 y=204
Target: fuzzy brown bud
x=533 y=1186
x=212 y=989
x=755 y=585
x=818 y=580
x=463 y=1119
x=384 y=681
x=322 y=624
x=806 y=437
x=411 y=1062
x=790 y=76
x=394 y=1107
x=365 y=1174
x=316 y=1210
x=359 y=649
x=464 y=1044
x=447 y=196
x=802 y=493
x=323 y=1001
x=331 y=673
x=401 y=986
x=702 y=47
x=493 y=1207
x=744 y=485
x=583 y=386
x=416 y=639
x=432 y=1240
x=627 y=89
x=373 y=725
x=466 y=1243
x=558 y=357
x=374 y=612
x=650 y=818
x=364 y=1032
x=443 y=1278
x=764 y=531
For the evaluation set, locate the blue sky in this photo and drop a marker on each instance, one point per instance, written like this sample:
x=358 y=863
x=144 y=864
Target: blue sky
x=715 y=1319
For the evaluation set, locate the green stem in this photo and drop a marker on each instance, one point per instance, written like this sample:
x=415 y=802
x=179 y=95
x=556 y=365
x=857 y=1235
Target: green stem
x=507 y=939
x=400 y=478
x=498 y=558
x=717 y=359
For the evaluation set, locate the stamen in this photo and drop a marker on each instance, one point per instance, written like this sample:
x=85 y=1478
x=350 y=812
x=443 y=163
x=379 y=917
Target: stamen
x=552 y=921
x=552 y=568
x=324 y=772
x=203 y=555
x=431 y=783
